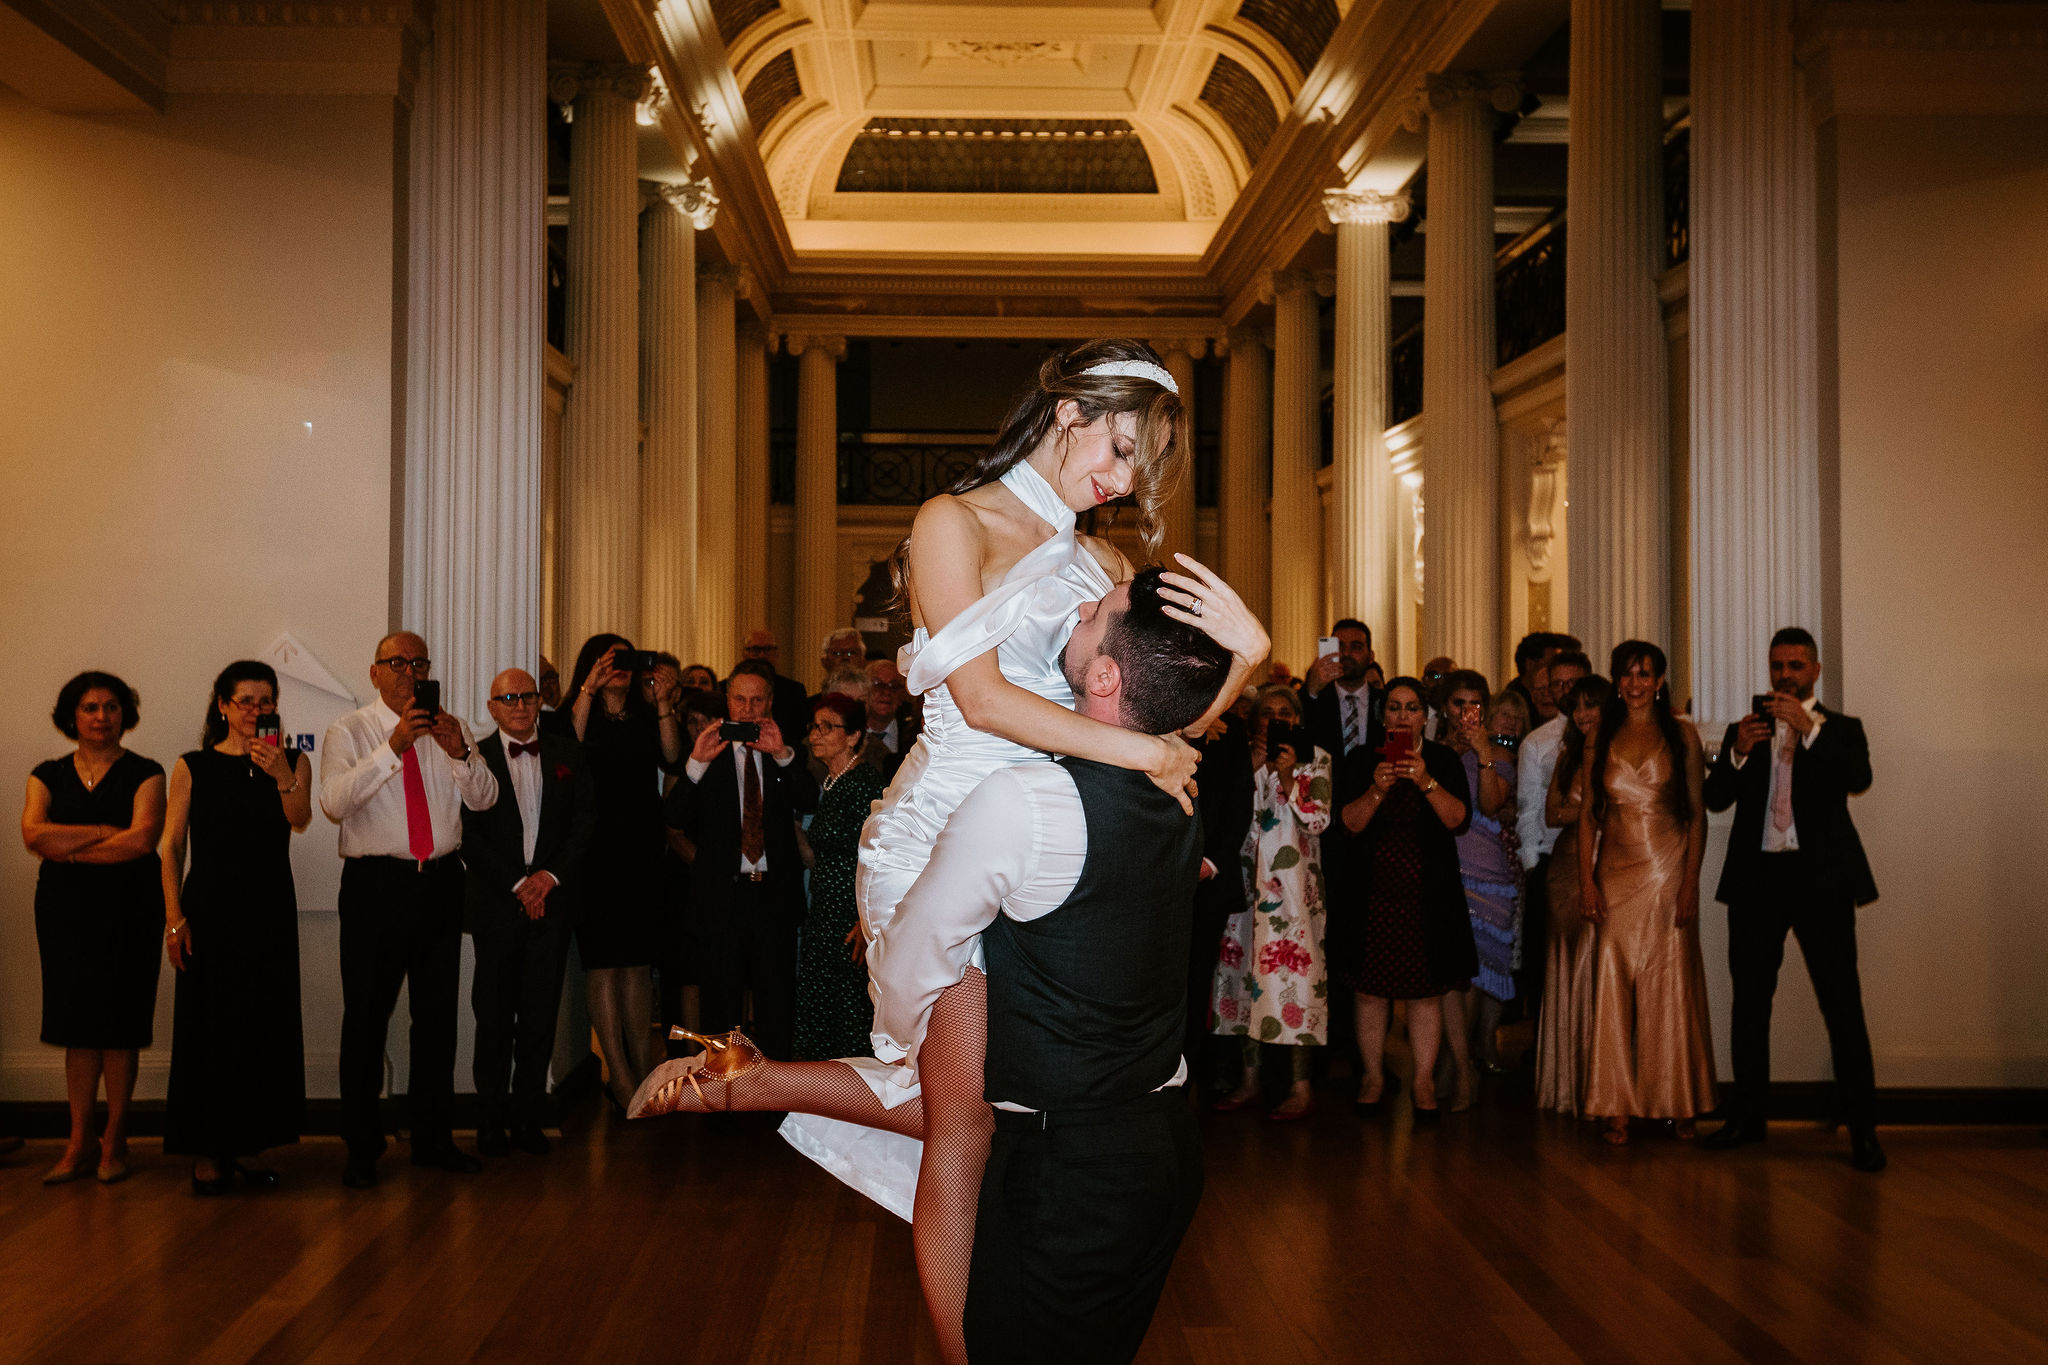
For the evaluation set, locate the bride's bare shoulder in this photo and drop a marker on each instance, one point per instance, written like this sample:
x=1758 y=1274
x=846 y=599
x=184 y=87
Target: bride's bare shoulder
x=1113 y=561
x=949 y=517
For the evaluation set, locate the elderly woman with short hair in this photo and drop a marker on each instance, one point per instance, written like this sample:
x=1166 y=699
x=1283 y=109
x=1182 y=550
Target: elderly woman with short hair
x=93 y=817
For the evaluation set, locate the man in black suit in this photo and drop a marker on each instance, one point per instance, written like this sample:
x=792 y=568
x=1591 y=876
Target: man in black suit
x=1795 y=863
x=520 y=856
x=738 y=803
x=892 y=725
x=791 y=706
x=1223 y=796
x=1340 y=706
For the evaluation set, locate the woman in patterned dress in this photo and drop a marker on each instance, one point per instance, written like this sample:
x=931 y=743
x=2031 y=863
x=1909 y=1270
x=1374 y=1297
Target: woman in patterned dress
x=1271 y=989
x=1410 y=937
x=834 y=1016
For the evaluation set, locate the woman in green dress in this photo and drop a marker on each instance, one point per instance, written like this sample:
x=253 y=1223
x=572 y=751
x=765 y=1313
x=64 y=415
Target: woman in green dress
x=833 y=1013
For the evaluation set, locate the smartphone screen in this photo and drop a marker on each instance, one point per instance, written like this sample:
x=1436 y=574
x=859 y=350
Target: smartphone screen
x=268 y=730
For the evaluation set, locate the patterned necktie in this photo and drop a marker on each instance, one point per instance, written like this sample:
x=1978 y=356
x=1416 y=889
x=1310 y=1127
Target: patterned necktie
x=1781 y=781
x=1350 y=720
x=419 y=822
x=753 y=836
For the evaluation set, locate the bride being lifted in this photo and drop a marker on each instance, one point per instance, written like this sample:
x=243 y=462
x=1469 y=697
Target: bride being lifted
x=997 y=578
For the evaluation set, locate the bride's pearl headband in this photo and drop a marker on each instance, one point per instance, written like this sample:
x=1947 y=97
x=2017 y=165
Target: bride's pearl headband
x=1137 y=369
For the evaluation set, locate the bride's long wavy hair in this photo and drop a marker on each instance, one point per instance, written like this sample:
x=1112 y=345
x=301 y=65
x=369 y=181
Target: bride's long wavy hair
x=1164 y=433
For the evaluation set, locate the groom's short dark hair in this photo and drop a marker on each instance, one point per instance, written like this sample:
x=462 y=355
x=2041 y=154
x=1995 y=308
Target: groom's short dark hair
x=1171 y=670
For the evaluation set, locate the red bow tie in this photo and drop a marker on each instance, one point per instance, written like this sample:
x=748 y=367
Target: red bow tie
x=515 y=749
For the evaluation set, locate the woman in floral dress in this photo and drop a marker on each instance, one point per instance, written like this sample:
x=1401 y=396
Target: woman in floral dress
x=1270 y=984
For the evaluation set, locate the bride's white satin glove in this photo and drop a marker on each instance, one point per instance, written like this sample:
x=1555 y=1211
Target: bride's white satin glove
x=1203 y=600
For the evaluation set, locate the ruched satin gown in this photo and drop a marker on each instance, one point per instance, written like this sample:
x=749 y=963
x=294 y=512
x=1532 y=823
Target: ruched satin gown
x=1651 y=1053
x=1026 y=620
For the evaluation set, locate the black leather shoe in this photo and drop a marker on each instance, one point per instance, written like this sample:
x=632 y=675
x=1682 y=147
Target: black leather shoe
x=532 y=1140
x=219 y=1185
x=1730 y=1135
x=256 y=1177
x=360 y=1173
x=1865 y=1152
x=449 y=1158
x=492 y=1142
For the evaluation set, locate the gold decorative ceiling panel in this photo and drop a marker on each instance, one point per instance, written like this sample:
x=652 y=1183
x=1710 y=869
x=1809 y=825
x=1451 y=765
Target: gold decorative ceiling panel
x=997 y=156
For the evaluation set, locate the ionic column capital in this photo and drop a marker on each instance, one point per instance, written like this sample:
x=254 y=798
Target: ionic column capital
x=1244 y=339
x=1442 y=91
x=695 y=200
x=1194 y=348
x=1364 y=206
x=569 y=81
x=799 y=342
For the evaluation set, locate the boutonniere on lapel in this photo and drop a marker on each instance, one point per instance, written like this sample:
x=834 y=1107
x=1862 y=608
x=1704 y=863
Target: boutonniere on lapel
x=563 y=772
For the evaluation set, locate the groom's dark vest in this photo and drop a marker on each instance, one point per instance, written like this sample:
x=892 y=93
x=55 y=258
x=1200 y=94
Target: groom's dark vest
x=1086 y=1005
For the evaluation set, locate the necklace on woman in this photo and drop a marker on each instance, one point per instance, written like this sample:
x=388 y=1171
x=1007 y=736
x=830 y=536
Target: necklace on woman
x=94 y=779
x=831 y=778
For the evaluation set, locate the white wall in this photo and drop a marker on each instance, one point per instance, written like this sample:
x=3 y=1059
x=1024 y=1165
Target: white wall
x=1943 y=326
x=196 y=377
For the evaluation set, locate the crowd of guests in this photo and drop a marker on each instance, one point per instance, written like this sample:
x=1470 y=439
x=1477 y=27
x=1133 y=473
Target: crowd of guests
x=1529 y=854
x=1476 y=857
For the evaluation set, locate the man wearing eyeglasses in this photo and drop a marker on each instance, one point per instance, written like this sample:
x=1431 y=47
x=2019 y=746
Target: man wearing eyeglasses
x=790 y=702
x=892 y=726
x=399 y=803
x=521 y=857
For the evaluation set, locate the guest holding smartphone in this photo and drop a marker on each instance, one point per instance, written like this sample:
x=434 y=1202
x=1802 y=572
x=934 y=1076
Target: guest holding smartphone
x=1410 y=937
x=93 y=817
x=238 y=1071
x=623 y=709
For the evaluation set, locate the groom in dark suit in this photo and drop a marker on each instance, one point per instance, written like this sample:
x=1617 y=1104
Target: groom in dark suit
x=520 y=858
x=1795 y=863
x=738 y=802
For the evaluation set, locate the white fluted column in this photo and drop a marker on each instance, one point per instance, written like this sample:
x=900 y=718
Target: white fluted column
x=818 y=605
x=668 y=465
x=718 y=569
x=1755 y=507
x=1619 y=531
x=752 y=519
x=1247 y=437
x=1365 y=557
x=1296 y=520
x=601 y=423
x=1461 y=436
x=1180 y=355
x=475 y=327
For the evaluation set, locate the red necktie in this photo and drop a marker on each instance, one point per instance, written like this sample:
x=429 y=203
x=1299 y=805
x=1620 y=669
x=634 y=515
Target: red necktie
x=753 y=834
x=419 y=824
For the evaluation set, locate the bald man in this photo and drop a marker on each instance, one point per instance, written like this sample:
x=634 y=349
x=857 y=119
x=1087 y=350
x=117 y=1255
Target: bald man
x=521 y=856
x=790 y=704
x=396 y=775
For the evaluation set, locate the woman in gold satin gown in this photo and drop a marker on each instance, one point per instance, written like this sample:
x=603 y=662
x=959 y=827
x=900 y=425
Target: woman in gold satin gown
x=1651 y=1055
x=1566 y=1021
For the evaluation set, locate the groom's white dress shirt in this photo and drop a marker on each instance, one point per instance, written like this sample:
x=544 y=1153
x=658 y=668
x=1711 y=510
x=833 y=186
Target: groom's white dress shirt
x=1015 y=847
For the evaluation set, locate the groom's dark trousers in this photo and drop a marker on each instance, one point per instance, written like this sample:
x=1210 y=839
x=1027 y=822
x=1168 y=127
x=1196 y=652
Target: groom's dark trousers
x=1086 y=1198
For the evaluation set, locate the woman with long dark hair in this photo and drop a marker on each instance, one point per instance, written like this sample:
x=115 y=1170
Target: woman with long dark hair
x=1640 y=842
x=238 y=1068
x=1566 y=1022
x=626 y=718
x=994 y=575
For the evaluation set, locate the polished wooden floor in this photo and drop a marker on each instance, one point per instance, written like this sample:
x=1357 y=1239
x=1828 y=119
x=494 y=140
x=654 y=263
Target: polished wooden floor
x=1501 y=1236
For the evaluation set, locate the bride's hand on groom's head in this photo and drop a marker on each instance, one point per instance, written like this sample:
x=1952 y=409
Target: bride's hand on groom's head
x=1202 y=599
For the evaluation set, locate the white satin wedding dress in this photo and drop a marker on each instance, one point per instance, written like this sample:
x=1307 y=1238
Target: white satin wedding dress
x=1026 y=620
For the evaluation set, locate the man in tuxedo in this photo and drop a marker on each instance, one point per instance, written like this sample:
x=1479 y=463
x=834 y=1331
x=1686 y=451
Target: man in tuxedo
x=521 y=856
x=1095 y=1166
x=892 y=727
x=791 y=706
x=1795 y=863
x=738 y=802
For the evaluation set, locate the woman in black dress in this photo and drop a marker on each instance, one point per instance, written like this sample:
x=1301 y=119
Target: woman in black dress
x=630 y=734
x=238 y=1069
x=834 y=1015
x=93 y=817
x=1405 y=934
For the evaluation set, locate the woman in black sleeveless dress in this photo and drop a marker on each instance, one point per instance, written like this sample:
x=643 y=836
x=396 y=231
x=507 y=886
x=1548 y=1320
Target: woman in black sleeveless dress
x=628 y=739
x=93 y=817
x=238 y=1074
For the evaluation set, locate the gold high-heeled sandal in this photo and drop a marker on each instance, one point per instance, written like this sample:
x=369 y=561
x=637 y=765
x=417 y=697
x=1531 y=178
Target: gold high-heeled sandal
x=727 y=1057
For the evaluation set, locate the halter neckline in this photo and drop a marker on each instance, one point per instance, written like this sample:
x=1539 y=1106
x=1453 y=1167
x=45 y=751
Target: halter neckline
x=1041 y=497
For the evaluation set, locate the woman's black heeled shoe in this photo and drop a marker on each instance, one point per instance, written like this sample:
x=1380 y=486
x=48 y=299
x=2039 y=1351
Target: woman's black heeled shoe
x=219 y=1185
x=257 y=1177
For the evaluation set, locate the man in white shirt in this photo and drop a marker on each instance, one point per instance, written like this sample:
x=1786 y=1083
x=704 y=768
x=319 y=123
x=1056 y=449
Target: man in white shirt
x=1534 y=766
x=399 y=804
x=1077 y=878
